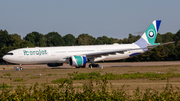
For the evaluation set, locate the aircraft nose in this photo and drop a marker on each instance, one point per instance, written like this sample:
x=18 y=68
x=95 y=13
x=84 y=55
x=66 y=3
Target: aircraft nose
x=4 y=57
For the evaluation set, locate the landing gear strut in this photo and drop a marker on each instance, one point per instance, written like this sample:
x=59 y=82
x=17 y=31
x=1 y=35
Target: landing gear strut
x=21 y=67
x=91 y=60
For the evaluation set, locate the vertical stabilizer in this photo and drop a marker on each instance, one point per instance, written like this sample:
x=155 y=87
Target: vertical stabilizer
x=149 y=35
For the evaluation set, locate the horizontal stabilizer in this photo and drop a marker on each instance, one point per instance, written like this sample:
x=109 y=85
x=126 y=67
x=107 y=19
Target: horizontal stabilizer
x=167 y=43
x=149 y=46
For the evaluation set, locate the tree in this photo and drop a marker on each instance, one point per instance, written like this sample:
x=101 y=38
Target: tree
x=69 y=40
x=4 y=38
x=168 y=37
x=177 y=37
x=125 y=40
x=4 y=51
x=54 y=39
x=25 y=44
x=85 y=39
x=36 y=39
x=104 y=40
x=173 y=52
x=15 y=40
x=133 y=38
x=158 y=38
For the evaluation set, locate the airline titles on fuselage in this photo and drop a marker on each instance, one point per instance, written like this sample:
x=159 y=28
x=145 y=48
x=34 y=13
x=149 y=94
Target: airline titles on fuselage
x=39 y=52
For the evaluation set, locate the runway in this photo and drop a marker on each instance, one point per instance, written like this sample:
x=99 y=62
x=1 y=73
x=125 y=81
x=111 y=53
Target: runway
x=115 y=64
x=132 y=64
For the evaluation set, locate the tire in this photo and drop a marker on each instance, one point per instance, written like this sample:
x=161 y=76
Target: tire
x=93 y=65
x=83 y=66
x=21 y=68
x=78 y=67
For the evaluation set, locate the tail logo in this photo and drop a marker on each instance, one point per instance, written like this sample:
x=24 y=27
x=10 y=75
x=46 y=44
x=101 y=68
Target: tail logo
x=151 y=33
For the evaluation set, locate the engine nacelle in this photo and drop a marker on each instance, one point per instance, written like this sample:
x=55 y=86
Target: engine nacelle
x=54 y=64
x=77 y=61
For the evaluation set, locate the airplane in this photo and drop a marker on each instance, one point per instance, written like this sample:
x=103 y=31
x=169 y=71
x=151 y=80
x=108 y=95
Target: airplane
x=78 y=56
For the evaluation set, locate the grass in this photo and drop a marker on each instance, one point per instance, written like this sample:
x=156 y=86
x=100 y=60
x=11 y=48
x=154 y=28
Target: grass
x=92 y=90
x=18 y=80
x=8 y=74
x=172 y=69
x=51 y=74
x=28 y=74
x=151 y=82
x=62 y=80
x=35 y=77
x=111 y=76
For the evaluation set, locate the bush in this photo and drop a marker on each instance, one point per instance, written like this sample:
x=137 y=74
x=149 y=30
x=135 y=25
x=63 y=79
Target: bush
x=93 y=90
x=4 y=86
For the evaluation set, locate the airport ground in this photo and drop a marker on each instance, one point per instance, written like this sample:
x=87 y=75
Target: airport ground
x=43 y=74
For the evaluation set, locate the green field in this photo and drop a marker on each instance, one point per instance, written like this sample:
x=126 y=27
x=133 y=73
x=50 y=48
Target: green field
x=128 y=83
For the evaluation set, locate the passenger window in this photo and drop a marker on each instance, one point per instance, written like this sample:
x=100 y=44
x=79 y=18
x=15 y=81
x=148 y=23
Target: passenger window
x=9 y=54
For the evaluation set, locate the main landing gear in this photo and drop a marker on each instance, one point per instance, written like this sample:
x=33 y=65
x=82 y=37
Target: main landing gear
x=93 y=65
x=91 y=60
x=90 y=66
x=81 y=66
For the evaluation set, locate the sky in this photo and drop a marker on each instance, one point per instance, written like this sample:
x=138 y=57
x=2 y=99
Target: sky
x=111 y=18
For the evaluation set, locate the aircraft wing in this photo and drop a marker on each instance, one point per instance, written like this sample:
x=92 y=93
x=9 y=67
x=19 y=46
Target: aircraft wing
x=110 y=52
x=97 y=54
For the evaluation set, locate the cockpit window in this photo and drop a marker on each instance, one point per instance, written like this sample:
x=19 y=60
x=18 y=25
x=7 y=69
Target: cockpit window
x=9 y=54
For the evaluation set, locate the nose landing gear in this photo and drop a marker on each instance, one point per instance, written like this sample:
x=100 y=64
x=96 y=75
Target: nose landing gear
x=20 y=67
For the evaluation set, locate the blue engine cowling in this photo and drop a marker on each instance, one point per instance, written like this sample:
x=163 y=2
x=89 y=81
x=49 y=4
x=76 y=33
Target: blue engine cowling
x=54 y=64
x=77 y=61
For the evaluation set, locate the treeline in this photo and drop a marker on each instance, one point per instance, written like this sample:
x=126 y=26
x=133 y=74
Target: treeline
x=35 y=39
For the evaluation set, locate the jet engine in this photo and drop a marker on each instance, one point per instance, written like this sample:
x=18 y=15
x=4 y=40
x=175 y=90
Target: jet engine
x=78 y=61
x=54 y=64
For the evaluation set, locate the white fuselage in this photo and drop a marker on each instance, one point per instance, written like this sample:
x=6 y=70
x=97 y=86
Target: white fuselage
x=61 y=54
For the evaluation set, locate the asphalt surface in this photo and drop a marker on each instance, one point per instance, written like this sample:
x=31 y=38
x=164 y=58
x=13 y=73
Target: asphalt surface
x=132 y=64
x=120 y=64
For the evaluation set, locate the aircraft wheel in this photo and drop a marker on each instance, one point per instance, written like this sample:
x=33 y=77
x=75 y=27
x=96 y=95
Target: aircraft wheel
x=97 y=65
x=83 y=66
x=77 y=67
x=21 y=68
x=90 y=65
x=93 y=65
